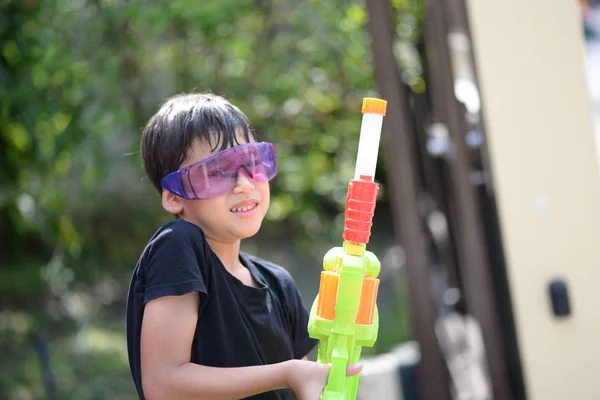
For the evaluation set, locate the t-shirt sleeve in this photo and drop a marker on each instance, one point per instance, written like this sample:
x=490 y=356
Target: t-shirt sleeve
x=173 y=264
x=302 y=342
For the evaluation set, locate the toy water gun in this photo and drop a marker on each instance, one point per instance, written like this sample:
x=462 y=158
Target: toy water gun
x=344 y=316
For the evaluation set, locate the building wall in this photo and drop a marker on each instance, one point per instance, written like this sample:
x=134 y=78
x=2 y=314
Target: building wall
x=530 y=65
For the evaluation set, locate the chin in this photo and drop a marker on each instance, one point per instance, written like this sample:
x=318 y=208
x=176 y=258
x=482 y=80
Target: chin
x=249 y=229
x=249 y=232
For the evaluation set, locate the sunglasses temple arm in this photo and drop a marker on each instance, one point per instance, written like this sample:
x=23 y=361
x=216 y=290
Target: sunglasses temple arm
x=172 y=183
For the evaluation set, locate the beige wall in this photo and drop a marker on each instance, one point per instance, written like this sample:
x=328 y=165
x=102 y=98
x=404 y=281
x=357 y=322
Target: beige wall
x=529 y=57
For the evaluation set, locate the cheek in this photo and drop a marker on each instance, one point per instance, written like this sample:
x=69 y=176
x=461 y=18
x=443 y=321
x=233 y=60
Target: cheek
x=206 y=210
x=265 y=192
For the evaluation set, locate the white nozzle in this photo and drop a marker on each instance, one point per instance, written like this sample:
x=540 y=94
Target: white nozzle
x=368 y=146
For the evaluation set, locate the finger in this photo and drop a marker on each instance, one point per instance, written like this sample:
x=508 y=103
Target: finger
x=354 y=369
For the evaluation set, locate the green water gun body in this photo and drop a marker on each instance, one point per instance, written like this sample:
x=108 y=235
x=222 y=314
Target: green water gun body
x=344 y=315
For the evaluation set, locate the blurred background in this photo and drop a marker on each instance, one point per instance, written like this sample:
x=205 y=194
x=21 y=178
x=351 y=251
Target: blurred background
x=79 y=79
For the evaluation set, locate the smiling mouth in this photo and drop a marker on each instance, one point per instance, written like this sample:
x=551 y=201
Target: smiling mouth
x=244 y=208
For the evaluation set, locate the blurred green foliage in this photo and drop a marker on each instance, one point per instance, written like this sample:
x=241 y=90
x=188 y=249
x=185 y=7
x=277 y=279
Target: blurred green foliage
x=78 y=80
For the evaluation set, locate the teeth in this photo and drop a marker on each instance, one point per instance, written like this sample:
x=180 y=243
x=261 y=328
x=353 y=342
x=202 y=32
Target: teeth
x=242 y=209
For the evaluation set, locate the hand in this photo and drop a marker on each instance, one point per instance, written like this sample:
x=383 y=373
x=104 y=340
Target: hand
x=307 y=378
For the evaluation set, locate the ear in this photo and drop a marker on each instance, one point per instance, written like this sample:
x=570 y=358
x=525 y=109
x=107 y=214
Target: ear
x=171 y=202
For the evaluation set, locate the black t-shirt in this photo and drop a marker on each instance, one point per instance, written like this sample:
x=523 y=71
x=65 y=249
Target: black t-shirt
x=238 y=325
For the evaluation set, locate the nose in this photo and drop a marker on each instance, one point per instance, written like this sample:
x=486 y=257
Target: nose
x=243 y=182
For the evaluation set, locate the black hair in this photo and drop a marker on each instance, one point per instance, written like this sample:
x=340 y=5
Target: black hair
x=182 y=119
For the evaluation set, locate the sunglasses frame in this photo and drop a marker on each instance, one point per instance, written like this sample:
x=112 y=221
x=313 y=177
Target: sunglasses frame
x=172 y=182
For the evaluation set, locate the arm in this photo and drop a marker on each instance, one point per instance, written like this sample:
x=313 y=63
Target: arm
x=167 y=333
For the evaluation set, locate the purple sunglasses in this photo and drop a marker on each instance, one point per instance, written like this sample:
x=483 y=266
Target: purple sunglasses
x=216 y=175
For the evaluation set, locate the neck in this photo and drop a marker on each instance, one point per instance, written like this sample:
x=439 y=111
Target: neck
x=228 y=253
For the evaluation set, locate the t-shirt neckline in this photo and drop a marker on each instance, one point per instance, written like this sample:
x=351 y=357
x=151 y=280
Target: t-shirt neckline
x=257 y=293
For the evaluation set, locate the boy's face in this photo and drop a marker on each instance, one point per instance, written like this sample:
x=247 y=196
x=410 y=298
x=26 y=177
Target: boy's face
x=236 y=215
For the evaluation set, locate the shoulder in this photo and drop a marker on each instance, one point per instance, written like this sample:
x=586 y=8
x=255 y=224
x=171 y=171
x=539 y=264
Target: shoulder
x=178 y=229
x=173 y=262
x=177 y=233
x=175 y=240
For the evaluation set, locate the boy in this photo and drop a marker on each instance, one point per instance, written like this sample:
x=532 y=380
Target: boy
x=204 y=320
